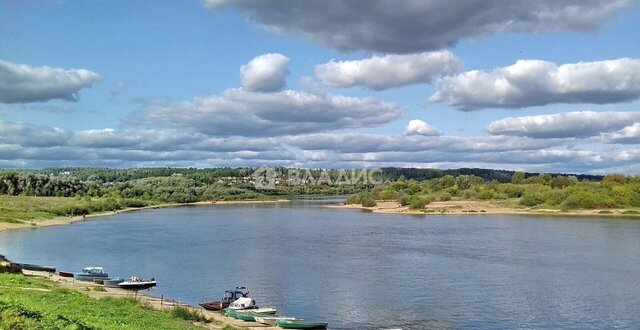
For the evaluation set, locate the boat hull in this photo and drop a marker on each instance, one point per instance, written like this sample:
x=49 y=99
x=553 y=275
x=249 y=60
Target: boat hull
x=300 y=324
x=214 y=305
x=136 y=286
x=65 y=274
x=113 y=283
x=89 y=277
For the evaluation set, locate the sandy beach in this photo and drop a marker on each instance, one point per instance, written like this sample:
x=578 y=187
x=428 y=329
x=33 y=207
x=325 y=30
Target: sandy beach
x=58 y=221
x=478 y=207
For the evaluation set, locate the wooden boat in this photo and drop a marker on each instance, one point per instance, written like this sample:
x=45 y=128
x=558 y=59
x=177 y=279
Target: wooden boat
x=98 y=281
x=301 y=324
x=65 y=274
x=229 y=297
x=271 y=319
x=112 y=282
x=36 y=268
x=90 y=273
x=136 y=283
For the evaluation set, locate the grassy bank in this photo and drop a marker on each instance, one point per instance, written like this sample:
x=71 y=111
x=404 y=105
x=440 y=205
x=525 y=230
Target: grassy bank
x=21 y=209
x=33 y=303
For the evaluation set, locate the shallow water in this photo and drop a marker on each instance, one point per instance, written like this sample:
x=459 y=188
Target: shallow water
x=361 y=270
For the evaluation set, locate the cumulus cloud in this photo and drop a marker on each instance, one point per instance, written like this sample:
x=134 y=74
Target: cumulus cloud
x=133 y=148
x=415 y=26
x=20 y=83
x=31 y=136
x=384 y=72
x=579 y=124
x=244 y=113
x=265 y=73
x=532 y=83
x=419 y=127
x=627 y=135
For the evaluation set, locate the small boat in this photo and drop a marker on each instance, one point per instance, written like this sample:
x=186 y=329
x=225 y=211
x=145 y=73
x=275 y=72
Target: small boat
x=243 y=303
x=301 y=324
x=271 y=319
x=229 y=297
x=65 y=274
x=250 y=314
x=90 y=273
x=229 y=312
x=37 y=268
x=112 y=282
x=136 y=283
x=98 y=281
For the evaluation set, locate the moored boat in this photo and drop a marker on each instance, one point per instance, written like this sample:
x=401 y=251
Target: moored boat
x=271 y=319
x=229 y=297
x=136 y=283
x=65 y=274
x=112 y=282
x=230 y=312
x=91 y=273
x=251 y=314
x=37 y=268
x=301 y=324
x=243 y=303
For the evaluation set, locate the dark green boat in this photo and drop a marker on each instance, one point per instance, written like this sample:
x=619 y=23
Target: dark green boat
x=301 y=324
x=230 y=312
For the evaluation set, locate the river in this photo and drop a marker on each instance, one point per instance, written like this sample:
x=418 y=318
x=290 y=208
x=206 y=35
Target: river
x=358 y=270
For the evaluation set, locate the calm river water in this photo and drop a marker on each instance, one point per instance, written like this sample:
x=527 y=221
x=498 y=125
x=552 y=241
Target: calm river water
x=358 y=270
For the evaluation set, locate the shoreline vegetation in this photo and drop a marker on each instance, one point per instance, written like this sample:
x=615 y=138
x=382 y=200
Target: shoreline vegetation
x=49 y=218
x=38 y=300
x=615 y=195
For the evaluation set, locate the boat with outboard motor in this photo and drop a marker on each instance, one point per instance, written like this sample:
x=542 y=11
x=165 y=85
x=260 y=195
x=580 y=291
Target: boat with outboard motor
x=136 y=283
x=229 y=297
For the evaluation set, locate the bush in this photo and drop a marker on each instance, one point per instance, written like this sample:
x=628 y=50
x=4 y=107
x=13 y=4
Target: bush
x=485 y=194
x=445 y=197
x=418 y=203
x=531 y=200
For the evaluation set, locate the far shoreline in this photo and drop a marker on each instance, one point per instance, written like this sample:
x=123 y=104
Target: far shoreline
x=471 y=207
x=66 y=220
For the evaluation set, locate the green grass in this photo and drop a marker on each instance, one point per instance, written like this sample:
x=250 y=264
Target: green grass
x=183 y=313
x=67 y=309
x=20 y=209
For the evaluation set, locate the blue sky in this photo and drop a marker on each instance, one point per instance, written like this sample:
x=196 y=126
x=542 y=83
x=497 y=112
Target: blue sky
x=544 y=86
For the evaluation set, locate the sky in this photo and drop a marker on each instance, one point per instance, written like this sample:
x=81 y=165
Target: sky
x=538 y=86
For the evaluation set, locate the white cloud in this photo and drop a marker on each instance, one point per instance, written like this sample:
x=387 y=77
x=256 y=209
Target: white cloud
x=237 y=112
x=415 y=26
x=532 y=83
x=419 y=127
x=20 y=83
x=627 y=135
x=265 y=73
x=579 y=124
x=384 y=72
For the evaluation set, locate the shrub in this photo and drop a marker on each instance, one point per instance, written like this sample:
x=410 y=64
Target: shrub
x=531 y=200
x=418 y=203
x=445 y=197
